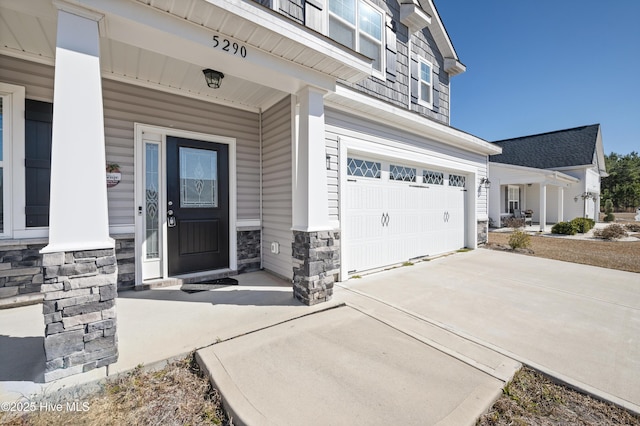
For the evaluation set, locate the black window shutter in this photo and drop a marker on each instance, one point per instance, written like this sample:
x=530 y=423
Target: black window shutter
x=391 y=50
x=38 y=127
x=414 y=80
x=435 y=81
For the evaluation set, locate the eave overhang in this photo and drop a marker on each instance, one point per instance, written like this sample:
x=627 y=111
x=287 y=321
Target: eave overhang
x=353 y=102
x=532 y=175
x=244 y=22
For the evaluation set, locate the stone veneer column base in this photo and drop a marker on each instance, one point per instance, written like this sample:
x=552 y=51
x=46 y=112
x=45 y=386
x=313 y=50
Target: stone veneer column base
x=316 y=263
x=483 y=232
x=79 y=308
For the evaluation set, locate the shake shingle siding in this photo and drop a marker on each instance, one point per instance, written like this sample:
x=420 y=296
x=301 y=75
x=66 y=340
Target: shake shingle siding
x=563 y=148
x=294 y=9
x=395 y=86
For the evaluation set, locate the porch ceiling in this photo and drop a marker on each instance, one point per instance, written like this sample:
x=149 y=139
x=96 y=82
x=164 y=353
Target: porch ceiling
x=28 y=30
x=519 y=175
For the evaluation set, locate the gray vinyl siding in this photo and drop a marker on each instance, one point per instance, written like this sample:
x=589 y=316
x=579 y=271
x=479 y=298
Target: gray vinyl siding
x=277 y=184
x=333 y=175
x=125 y=105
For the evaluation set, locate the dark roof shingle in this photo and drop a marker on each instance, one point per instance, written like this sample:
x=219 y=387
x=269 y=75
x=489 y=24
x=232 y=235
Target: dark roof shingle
x=562 y=148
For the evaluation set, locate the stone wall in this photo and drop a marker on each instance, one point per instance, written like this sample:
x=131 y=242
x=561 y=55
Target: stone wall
x=79 y=311
x=125 y=254
x=316 y=264
x=20 y=269
x=483 y=232
x=248 y=250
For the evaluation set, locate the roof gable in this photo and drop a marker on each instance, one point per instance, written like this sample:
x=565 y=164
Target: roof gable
x=419 y=14
x=562 y=148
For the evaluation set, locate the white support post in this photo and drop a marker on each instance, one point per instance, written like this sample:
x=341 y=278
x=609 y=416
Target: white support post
x=78 y=218
x=310 y=200
x=560 y=204
x=543 y=206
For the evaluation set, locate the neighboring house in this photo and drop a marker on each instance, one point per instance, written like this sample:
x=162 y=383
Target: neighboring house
x=555 y=174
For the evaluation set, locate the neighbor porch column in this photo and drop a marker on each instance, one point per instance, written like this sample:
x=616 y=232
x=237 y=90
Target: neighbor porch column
x=316 y=244
x=543 y=206
x=79 y=263
x=560 y=204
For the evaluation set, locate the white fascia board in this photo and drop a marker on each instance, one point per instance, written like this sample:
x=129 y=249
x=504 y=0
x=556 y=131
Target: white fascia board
x=536 y=175
x=439 y=32
x=371 y=108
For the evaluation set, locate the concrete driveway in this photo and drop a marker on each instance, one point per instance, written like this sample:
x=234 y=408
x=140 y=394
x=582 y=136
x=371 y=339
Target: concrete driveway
x=578 y=323
x=426 y=344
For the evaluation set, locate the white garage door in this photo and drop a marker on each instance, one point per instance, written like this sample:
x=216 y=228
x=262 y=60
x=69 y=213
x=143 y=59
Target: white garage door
x=395 y=213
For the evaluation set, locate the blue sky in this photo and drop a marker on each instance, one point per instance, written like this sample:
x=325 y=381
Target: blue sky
x=535 y=66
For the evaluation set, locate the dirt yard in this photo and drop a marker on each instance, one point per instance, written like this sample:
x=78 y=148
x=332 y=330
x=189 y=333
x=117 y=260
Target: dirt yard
x=622 y=255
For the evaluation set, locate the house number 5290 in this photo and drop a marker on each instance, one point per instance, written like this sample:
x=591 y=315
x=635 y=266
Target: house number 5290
x=229 y=46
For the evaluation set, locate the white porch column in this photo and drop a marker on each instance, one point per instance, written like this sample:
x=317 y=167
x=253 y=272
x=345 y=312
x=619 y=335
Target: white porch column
x=316 y=247
x=79 y=264
x=543 y=206
x=560 y=204
x=78 y=218
x=310 y=199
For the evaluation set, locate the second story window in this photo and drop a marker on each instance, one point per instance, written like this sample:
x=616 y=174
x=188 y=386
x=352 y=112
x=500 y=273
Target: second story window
x=426 y=83
x=358 y=25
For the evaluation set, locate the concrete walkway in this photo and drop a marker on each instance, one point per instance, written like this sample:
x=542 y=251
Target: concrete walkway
x=153 y=326
x=426 y=344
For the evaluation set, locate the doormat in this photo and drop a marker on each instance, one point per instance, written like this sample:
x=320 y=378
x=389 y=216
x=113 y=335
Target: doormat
x=208 y=285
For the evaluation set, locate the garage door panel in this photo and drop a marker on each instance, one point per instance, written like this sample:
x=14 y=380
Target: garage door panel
x=389 y=222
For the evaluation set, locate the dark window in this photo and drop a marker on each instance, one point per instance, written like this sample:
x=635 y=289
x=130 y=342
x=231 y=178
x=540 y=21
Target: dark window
x=38 y=124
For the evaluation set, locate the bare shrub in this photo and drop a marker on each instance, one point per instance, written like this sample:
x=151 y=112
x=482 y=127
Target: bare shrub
x=611 y=232
x=512 y=222
x=633 y=227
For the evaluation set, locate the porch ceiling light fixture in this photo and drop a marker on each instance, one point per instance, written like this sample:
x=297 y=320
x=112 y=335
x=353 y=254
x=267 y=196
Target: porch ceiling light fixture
x=486 y=182
x=213 y=77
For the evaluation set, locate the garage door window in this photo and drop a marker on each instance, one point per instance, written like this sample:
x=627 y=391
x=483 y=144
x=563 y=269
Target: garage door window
x=363 y=168
x=457 y=180
x=401 y=173
x=433 y=178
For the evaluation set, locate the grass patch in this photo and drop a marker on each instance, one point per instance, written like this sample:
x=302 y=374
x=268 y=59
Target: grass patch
x=463 y=250
x=356 y=277
x=532 y=399
x=407 y=263
x=179 y=394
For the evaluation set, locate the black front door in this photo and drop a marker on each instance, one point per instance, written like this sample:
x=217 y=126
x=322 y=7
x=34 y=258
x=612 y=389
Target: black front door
x=197 y=205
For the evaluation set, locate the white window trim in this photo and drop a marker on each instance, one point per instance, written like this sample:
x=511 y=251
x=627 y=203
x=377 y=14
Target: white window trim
x=509 y=188
x=421 y=61
x=383 y=22
x=13 y=159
